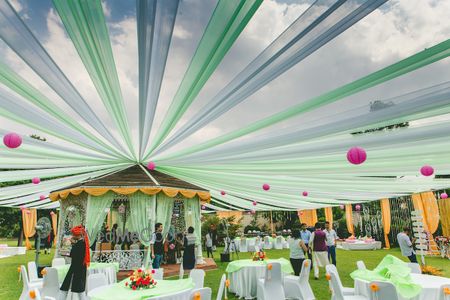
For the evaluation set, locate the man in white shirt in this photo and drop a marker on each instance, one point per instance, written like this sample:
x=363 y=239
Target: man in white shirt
x=406 y=245
x=331 y=242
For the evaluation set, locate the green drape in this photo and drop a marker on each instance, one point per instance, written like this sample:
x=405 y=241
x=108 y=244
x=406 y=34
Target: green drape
x=164 y=210
x=192 y=216
x=142 y=216
x=96 y=212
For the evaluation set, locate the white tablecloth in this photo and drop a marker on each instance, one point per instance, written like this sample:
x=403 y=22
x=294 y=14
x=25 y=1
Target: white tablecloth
x=361 y=246
x=430 y=286
x=109 y=269
x=244 y=282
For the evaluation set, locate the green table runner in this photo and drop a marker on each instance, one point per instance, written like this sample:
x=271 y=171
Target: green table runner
x=62 y=270
x=239 y=264
x=119 y=291
x=393 y=270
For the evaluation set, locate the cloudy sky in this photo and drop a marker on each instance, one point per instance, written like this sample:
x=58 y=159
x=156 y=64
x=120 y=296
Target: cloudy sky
x=394 y=31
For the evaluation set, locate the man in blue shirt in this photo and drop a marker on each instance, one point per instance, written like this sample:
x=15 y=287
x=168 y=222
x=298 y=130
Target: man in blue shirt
x=305 y=235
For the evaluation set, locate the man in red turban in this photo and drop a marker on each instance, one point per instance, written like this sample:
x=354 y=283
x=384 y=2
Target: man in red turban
x=75 y=279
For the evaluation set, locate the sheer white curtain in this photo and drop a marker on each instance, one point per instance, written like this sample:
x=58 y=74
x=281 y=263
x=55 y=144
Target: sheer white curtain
x=164 y=210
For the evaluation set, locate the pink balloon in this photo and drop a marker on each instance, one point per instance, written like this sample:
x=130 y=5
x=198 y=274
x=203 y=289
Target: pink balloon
x=305 y=193
x=223 y=193
x=427 y=170
x=203 y=207
x=266 y=187
x=358 y=207
x=254 y=203
x=36 y=180
x=356 y=155
x=42 y=197
x=151 y=166
x=341 y=206
x=12 y=140
x=444 y=196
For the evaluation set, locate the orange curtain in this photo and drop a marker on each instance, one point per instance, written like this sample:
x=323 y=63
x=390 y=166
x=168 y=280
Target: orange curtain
x=427 y=203
x=444 y=209
x=227 y=214
x=329 y=215
x=29 y=217
x=54 y=217
x=386 y=216
x=308 y=216
x=349 y=219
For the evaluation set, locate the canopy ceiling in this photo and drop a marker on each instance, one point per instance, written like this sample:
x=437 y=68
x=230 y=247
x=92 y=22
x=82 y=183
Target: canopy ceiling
x=309 y=154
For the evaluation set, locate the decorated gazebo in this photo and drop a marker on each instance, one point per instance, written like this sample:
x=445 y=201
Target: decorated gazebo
x=132 y=200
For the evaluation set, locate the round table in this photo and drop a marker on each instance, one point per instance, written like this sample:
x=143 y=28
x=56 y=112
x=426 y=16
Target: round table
x=430 y=287
x=244 y=275
x=108 y=269
x=174 y=289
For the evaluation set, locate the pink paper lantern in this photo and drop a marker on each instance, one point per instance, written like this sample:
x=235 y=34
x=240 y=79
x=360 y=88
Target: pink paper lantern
x=341 y=206
x=12 y=140
x=305 y=193
x=266 y=187
x=444 y=196
x=223 y=193
x=36 y=180
x=254 y=203
x=358 y=207
x=203 y=207
x=42 y=197
x=427 y=170
x=356 y=155
x=151 y=166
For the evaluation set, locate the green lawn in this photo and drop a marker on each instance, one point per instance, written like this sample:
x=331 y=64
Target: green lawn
x=10 y=288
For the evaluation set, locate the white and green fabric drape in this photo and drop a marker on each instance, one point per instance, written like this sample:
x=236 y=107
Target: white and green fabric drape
x=164 y=211
x=96 y=211
x=192 y=216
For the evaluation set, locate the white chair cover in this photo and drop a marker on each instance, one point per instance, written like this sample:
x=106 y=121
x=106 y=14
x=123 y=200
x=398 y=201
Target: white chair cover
x=279 y=243
x=386 y=291
x=243 y=245
x=50 y=284
x=251 y=243
x=159 y=274
x=298 y=287
x=95 y=281
x=361 y=265
x=271 y=286
x=198 y=276
x=267 y=243
x=59 y=261
x=221 y=287
x=442 y=295
x=181 y=274
x=205 y=293
x=183 y=295
x=345 y=290
x=27 y=286
x=415 y=268
x=32 y=272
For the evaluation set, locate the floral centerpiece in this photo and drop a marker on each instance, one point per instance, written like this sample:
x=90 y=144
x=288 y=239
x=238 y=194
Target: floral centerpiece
x=141 y=279
x=259 y=256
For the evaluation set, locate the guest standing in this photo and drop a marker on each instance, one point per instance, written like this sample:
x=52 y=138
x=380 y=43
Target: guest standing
x=331 y=242
x=209 y=244
x=306 y=236
x=297 y=249
x=49 y=242
x=75 y=279
x=157 y=246
x=189 y=250
x=319 y=249
x=406 y=245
